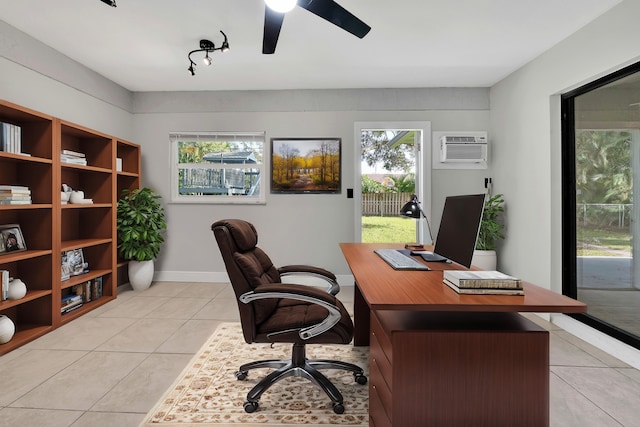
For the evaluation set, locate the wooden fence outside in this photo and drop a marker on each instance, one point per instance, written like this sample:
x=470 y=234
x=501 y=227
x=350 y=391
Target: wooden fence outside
x=383 y=204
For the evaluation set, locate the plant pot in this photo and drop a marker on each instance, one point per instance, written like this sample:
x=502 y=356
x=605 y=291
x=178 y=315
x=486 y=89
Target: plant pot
x=140 y=274
x=486 y=260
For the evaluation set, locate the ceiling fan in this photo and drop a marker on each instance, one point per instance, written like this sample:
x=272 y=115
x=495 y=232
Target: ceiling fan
x=327 y=9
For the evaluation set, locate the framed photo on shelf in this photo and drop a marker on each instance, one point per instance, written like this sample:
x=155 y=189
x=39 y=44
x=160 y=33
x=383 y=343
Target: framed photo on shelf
x=306 y=165
x=73 y=263
x=11 y=239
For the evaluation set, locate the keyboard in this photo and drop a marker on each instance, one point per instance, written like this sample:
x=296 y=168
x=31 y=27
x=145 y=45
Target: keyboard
x=399 y=261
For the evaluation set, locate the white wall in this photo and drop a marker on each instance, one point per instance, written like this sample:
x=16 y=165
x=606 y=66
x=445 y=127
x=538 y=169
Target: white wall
x=292 y=228
x=525 y=129
x=33 y=90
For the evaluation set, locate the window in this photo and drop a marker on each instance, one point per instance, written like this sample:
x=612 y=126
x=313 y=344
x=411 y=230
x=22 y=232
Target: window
x=217 y=167
x=601 y=212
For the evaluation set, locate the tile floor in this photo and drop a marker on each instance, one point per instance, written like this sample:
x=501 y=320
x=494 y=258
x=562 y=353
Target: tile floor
x=109 y=367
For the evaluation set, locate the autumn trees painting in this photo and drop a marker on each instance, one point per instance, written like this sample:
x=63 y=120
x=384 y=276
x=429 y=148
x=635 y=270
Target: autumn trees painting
x=305 y=165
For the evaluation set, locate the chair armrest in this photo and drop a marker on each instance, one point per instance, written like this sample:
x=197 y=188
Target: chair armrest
x=300 y=293
x=309 y=270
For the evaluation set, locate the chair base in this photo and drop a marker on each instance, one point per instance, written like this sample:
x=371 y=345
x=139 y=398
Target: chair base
x=298 y=366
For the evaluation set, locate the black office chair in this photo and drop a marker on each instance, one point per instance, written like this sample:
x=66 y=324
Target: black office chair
x=272 y=311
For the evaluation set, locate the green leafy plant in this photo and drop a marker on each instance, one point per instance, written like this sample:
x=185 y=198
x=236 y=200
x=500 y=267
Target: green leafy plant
x=491 y=226
x=140 y=222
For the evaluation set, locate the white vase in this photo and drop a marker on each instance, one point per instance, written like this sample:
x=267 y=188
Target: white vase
x=7 y=329
x=17 y=289
x=140 y=274
x=486 y=260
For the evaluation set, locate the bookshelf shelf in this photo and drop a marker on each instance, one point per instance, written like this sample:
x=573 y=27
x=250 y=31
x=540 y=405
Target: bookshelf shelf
x=81 y=278
x=49 y=227
x=30 y=296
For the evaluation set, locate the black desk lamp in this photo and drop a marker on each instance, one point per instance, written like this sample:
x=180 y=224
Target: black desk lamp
x=412 y=209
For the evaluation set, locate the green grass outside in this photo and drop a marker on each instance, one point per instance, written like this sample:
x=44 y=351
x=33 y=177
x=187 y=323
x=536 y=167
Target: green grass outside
x=603 y=242
x=591 y=242
x=388 y=229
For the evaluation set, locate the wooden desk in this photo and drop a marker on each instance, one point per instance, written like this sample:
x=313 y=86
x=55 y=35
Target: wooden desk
x=441 y=358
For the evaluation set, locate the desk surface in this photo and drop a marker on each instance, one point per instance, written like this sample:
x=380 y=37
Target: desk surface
x=384 y=288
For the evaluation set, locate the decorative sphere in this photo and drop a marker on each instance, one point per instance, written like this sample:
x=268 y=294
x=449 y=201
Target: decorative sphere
x=7 y=329
x=17 y=289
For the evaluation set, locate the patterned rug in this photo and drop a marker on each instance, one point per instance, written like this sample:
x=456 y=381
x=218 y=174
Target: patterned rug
x=207 y=392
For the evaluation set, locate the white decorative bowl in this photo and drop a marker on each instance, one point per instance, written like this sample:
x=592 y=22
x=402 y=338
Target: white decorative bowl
x=77 y=196
x=17 y=289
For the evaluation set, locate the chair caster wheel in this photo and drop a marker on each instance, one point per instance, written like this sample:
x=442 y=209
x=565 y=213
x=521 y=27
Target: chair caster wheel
x=360 y=379
x=338 y=408
x=241 y=375
x=250 y=407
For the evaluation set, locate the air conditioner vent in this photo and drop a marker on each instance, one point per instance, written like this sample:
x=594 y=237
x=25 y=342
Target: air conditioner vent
x=463 y=148
x=461 y=139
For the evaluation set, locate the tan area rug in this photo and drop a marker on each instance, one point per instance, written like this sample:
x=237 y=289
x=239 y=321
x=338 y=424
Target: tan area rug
x=207 y=392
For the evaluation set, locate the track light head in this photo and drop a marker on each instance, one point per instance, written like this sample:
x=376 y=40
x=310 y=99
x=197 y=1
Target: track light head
x=111 y=3
x=207 y=59
x=225 y=43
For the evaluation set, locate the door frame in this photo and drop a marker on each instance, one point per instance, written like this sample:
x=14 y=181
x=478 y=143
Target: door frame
x=423 y=170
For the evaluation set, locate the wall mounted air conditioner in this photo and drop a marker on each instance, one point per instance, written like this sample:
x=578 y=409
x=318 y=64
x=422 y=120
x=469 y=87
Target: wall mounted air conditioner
x=464 y=148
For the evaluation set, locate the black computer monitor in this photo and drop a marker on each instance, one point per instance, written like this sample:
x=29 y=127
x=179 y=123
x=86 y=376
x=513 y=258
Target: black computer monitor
x=459 y=228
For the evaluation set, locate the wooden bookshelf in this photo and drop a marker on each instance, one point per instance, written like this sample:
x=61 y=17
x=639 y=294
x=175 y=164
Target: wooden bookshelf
x=50 y=227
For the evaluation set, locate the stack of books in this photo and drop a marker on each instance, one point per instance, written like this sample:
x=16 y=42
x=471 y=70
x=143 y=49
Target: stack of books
x=10 y=138
x=482 y=282
x=73 y=157
x=14 y=195
x=90 y=290
x=70 y=303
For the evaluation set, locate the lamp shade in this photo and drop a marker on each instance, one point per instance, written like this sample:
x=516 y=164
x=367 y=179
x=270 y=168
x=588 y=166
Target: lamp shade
x=411 y=209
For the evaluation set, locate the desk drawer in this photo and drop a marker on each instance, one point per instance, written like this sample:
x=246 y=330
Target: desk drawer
x=378 y=387
x=383 y=339
x=378 y=357
x=377 y=416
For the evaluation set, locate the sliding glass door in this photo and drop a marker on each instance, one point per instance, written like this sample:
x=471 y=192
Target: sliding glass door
x=601 y=216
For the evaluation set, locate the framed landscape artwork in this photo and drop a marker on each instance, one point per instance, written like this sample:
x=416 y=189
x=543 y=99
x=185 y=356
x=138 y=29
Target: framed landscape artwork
x=306 y=165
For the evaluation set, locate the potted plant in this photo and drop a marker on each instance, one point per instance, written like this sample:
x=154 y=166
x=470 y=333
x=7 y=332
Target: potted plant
x=140 y=223
x=490 y=232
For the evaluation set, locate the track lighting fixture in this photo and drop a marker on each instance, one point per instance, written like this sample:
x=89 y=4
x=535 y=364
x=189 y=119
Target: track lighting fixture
x=207 y=47
x=110 y=2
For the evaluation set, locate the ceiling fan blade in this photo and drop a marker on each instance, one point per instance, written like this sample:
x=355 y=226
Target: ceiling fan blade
x=336 y=14
x=272 y=24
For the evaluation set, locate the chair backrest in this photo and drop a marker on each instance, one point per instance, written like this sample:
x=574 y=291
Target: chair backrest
x=247 y=266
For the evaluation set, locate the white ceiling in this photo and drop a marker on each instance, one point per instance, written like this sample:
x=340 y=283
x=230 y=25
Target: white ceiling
x=143 y=44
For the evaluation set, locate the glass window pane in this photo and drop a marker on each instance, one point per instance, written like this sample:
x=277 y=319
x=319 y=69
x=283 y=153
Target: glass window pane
x=218 y=168
x=607 y=160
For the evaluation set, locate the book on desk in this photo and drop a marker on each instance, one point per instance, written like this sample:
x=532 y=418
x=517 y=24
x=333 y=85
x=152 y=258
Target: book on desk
x=482 y=282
